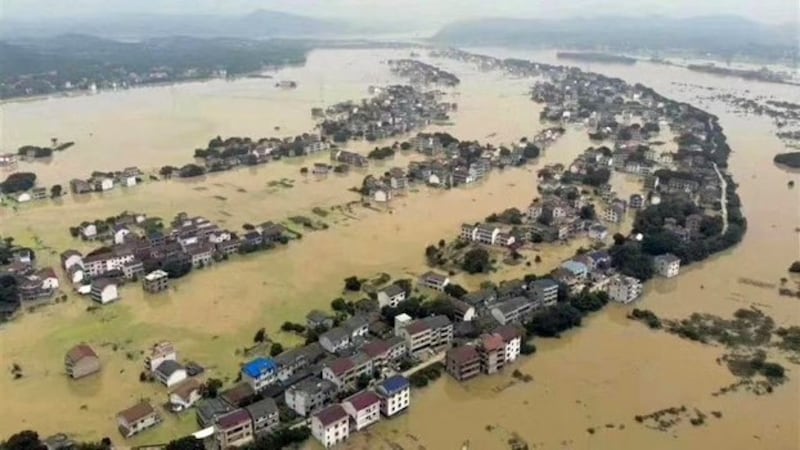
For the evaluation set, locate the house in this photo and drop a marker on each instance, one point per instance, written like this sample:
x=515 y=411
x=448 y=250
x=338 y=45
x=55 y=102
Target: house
x=335 y=339
x=544 y=291
x=614 y=214
x=80 y=186
x=155 y=281
x=264 y=414
x=428 y=334
x=599 y=260
x=636 y=201
x=121 y=232
x=259 y=373
x=512 y=338
x=364 y=409
x=345 y=371
x=492 y=351
x=395 y=394
x=48 y=278
x=331 y=426
x=76 y=274
x=624 y=289
x=39 y=193
x=88 y=232
x=667 y=265
x=22 y=197
x=137 y=418
x=81 y=361
x=233 y=429
x=238 y=395
x=184 y=395
x=514 y=310
x=463 y=363
x=201 y=255
x=435 y=281
x=104 y=291
x=208 y=410
x=481 y=298
x=160 y=352
x=383 y=352
x=578 y=269
x=464 y=311
x=133 y=269
x=310 y=395
x=598 y=232
x=357 y=326
x=391 y=296
x=70 y=258
x=169 y=373
x=294 y=360
x=317 y=319
x=320 y=169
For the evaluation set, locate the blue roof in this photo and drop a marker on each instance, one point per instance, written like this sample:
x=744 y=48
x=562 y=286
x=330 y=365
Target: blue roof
x=259 y=367
x=393 y=384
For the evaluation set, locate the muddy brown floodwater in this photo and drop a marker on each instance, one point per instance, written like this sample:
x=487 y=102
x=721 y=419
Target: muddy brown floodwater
x=605 y=373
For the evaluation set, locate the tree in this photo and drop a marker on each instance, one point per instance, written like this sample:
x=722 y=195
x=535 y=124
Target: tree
x=56 y=191
x=352 y=284
x=363 y=381
x=588 y=212
x=619 y=239
x=24 y=440
x=185 y=443
x=191 y=170
x=552 y=321
x=476 y=261
x=527 y=348
x=795 y=267
x=339 y=304
x=531 y=151
x=589 y=301
x=441 y=243
x=276 y=349
x=167 y=171
x=211 y=388
x=260 y=336
x=455 y=290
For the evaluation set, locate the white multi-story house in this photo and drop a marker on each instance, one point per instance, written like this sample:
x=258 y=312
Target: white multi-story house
x=512 y=337
x=331 y=426
x=395 y=394
x=363 y=408
x=667 y=265
x=392 y=296
x=624 y=289
x=160 y=352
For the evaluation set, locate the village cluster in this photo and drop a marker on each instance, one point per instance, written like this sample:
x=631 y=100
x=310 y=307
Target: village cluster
x=358 y=367
x=419 y=72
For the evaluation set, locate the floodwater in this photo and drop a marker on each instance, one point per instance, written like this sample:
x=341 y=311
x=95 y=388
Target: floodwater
x=605 y=373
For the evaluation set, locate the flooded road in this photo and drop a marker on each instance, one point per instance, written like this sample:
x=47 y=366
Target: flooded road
x=602 y=374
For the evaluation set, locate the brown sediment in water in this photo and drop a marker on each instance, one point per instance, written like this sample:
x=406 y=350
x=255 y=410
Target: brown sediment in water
x=608 y=371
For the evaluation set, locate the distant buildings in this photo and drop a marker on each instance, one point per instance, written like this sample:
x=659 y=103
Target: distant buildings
x=624 y=289
x=667 y=265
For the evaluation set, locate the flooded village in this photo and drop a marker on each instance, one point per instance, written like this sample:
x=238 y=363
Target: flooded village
x=558 y=210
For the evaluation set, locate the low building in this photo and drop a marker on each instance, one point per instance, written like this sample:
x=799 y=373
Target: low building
x=184 y=395
x=435 y=281
x=170 y=373
x=624 y=289
x=297 y=359
x=317 y=319
x=239 y=395
x=345 y=371
x=463 y=362
x=310 y=395
x=331 y=426
x=104 y=290
x=364 y=409
x=544 y=291
x=234 y=429
x=384 y=352
x=492 y=351
x=335 y=339
x=155 y=281
x=265 y=417
x=211 y=409
x=614 y=214
x=136 y=419
x=160 y=352
x=428 y=334
x=391 y=296
x=514 y=310
x=395 y=394
x=636 y=201
x=578 y=269
x=81 y=361
x=512 y=337
x=667 y=265
x=259 y=373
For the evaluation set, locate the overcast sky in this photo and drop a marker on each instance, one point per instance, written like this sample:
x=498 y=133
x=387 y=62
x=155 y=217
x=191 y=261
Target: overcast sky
x=432 y=11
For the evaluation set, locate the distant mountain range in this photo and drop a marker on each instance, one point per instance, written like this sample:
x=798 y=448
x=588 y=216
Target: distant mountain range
x=256 y=25
x=720 y=35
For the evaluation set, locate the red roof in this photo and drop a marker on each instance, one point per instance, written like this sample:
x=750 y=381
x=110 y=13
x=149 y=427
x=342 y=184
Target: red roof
x=341 y=365
x=376 y=348
x=233 y=419
x=79 y=352
x=137 y=412
x=462 y=354
x=363 y=400
x=417 y=327
x=492 y=342
x=331 y=414
x=508 y=332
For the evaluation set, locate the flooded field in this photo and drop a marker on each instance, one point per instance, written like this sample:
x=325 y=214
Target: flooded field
x=603 y=374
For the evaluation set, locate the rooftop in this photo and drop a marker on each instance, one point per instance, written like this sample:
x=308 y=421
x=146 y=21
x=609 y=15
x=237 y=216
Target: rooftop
x=462 y=354
x=392 y=290
x=79 y=352
x=259 y=367
x=393 y=384
x=331 y=414
x=262 y=408
x=508 y=332
x=544 y=283
x=363 y=400
x=168 y=367
x=233 y=419
x=137 y=412
x=668 y=258
x=492 y=342
x=341 y=365
x=509 y=306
